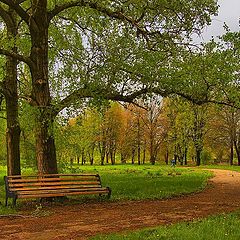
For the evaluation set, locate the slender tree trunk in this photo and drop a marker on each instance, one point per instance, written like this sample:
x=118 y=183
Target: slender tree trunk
x=102 y=158
x=139 y=154
x=151 y=152
x=144 y=154
x=107 y=157
x=231 y=154
x=83 y=157
x=11 y=95
x=123 y=158
x=237 y=149
x=102 y=151
x=167 y=157
x=13 y=126
x=133 y=155
x=185 y=156
x=198 y=157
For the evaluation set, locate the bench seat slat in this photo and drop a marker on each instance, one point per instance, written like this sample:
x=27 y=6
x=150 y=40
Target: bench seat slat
x=31 y=180
x=62 y=194
x=52 y=183
x=55 y=187
x=60 y=191
x=51 y=175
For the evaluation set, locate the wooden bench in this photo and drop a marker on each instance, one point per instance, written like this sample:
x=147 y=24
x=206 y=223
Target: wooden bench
x=53 y=185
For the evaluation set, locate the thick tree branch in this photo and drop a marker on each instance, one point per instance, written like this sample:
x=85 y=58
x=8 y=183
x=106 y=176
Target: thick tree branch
x=19 y=57
x=84 y=93
x=19 y=10
x=5 y=16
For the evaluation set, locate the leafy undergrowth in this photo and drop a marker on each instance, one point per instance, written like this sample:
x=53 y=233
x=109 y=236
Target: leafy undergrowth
x=222 y=227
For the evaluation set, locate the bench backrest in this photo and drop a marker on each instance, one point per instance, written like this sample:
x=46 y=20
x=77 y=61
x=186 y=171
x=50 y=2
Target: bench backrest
x=52 y=181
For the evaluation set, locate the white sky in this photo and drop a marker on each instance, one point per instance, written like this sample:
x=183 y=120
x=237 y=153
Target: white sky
x=229 y=12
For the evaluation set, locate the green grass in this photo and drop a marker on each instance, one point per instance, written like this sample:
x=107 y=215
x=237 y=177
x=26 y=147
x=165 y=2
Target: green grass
x=3 y=209
x=223 y=167
x=130 y=182
x=148 y=182
x=223 y=227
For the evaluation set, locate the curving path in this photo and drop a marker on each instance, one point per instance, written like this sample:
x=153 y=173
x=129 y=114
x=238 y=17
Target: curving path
x=84 y=220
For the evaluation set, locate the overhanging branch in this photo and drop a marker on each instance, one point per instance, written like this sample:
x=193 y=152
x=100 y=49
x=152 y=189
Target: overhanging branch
x=84 y=93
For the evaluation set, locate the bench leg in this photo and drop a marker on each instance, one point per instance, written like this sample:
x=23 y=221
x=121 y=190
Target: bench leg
x=109 y=192
x=6 y=201
x=14 y=201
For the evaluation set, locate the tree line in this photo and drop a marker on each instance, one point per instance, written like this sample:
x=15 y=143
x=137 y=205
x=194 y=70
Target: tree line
x=159 y=131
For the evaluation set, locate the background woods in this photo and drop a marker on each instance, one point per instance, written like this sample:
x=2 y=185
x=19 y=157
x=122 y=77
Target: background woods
x=157 y=132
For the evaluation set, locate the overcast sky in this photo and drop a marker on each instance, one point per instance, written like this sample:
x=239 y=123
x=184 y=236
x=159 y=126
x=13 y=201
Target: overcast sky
x=229 y=12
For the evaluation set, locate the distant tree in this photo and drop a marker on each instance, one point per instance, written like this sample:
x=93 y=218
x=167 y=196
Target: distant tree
x=155 y=126
x=113 y=120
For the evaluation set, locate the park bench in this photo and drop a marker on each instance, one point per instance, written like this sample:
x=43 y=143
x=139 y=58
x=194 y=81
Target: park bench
x=53 y=185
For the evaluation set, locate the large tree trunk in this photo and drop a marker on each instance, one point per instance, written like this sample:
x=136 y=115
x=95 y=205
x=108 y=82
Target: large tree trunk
x=11 y=96
x=45 y=145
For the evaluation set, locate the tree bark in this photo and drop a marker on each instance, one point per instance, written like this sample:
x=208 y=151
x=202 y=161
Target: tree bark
x=133 y=155
x=45 y=144
x=11 y=96
x=231 y=153
x=237 y=149
x=198 y=157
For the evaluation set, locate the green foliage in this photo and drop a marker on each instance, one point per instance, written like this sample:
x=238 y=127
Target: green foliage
x=223 y=227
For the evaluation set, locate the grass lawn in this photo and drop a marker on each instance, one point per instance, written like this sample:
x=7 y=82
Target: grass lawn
x=130 y=182
x=222 y=227
x=224 y=167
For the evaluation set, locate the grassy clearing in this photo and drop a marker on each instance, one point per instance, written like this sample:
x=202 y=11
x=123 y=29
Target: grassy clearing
x=130 y=182
x=223 y=227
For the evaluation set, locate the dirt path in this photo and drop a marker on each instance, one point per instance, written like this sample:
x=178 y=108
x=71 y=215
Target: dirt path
x=84 y=220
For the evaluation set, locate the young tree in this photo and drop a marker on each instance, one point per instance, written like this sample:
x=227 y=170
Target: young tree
x=155 y=126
